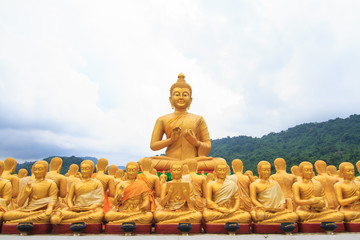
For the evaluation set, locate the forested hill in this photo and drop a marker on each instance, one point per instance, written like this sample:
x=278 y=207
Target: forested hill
x=333 y=141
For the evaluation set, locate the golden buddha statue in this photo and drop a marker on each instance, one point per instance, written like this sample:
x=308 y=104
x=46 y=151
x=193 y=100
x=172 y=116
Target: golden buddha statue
x=9 y=168
x=22 y=173
x=243 y=183
x=54 y=174
x=177 y=200
x=358 y=169
x=285 y=180
x=112 y=170
x=198 y=184
x=310 y=197
x=187 y=136
x=348 y=193
x=118 y=177
x=85 y=199
x=269 y=201
x=106 y=180
x=295 y=170
x=36 y=200
x=72 y=176
x=5 y=193
x=223 y=200
x=327 y=183
x=152 y=181
x=132 y=197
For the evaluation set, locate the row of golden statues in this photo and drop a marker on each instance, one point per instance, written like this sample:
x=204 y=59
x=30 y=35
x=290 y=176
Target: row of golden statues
x=114 y=198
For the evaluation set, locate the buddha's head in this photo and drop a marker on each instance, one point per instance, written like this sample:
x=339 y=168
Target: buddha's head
x=306 y=169
x=22 y=173
x=56 y=164
x=237 y=166
x=87 y=168
x=193 y=165
x=320 y=166
x=112 y=170
x=10 y=165
x=119 y=174
x=176 y=170
x=296 y=171
x=1 y=167
x=347 y=170
x=280 y=164
x=145 y=164
x=40 y=169
x=332 y=170
x=180 y=94
x=221 y=170
x=264 y=170
x=132 y=170
x=101 y=165
x=73 y=169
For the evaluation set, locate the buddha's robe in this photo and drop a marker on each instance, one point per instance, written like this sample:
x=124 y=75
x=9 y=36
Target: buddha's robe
x=150 y=185
x=34 y=208
x=226 y=197
x=86 y=194
x=181 y=149
x=176 y=210
x=272 y=199
x=199 y=201
x=244 y=193
x=133 y=197
x=352 y=211
x=316 y=212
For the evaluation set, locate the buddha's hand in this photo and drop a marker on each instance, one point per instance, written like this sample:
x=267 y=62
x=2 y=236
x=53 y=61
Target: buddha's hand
x=316 y=200
x=28 y=188
x=224 y=210
x=191 y=138
x=175 y=134
x=48 y=211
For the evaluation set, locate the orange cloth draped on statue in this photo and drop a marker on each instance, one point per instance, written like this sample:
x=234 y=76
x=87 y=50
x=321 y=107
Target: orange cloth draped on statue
x=142 y=177
x=134 y=189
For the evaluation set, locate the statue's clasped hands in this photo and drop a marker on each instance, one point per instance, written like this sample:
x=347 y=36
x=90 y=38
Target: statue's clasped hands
x=191 y=138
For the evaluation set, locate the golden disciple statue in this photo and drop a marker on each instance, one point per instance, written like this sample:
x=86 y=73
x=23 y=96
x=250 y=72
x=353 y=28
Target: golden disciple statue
x=36 y=200
x=223 y=200
x=54 y=174
x=106 y=180
x=187 y=135
x=327 y=183
x=5 y=193
x=177 y=199
x=85 y=199
x=243 y=182
x=332 y=171
x=118 y=177
x=9 y=168
x=22 y=173
x=348 y=193
x=310 y=197
x=268 y=199
x=132 y=197
x=198 y=184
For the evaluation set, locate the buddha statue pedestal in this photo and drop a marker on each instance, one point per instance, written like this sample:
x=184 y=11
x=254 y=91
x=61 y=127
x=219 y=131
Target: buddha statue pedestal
x=271 y=228
x=116 y=229
x=171 y=228
x=64 y=228
x=39 y=228
x=219 y=228
x=315 y=228
x=352 y=227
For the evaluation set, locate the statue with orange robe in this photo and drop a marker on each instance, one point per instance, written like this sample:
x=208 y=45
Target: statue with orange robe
x=131 y=202
x=187 y=135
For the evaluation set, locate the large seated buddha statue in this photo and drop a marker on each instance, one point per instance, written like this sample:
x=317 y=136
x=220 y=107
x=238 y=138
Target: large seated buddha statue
x=268 y=199
x=223 y=200
x=36 y=200
x=177 y=200
x=187 y=135
x=348 y=193
x=85 y=199
x=131 y=202
x=311 y=200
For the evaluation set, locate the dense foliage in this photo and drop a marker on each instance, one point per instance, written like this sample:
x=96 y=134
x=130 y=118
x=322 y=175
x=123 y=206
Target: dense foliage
x=334 y=141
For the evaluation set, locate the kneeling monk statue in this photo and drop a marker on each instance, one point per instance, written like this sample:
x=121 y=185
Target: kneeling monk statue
x=40 y=195
x=85 y=199
x=187 y=135
x=223 y=200
x=132 y=197
x=268 y=199
x=177 y=199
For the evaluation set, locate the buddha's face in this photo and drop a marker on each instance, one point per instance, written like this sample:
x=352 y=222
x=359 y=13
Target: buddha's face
x=349 y=172
x=39 y=171
x=132 y=171
x=221 y=171
x=176 y=171
x=265 y=171
x=86 y=170
x=307 y=171
x=180 y=98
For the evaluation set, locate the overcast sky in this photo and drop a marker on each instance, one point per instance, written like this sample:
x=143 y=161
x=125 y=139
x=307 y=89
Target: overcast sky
x=90 y=78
